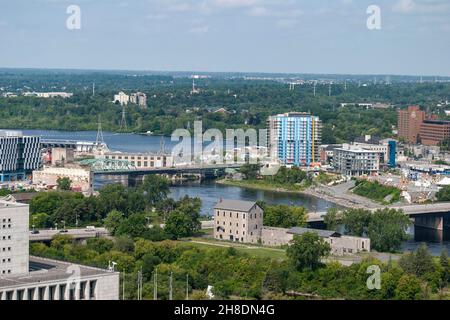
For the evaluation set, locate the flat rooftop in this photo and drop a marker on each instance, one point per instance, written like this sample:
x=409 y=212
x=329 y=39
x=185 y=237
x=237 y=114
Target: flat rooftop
x=10 y=204
x=46 y=270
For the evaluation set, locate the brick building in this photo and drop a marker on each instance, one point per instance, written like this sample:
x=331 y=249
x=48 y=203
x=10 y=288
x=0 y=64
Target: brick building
x=409 y=123
x=432 y=132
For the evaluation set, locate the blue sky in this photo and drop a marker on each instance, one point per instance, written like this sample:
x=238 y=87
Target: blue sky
x=314 y=36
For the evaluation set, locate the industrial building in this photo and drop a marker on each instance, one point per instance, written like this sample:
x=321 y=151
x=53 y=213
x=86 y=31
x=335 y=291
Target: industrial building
x=294 y=138
x=143 y=161
x=31 y=278
x=19 y=155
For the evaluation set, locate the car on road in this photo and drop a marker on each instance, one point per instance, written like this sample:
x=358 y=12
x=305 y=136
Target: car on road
x=63 y=231
x=34 y=231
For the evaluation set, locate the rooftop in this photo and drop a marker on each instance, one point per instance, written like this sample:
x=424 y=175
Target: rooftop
x=46 y=270
x=235 y=205
x=320 y=233
x=10 y=204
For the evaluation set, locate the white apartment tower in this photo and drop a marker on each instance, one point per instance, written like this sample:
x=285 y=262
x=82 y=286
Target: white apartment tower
x=294 y=138
x=122 y=98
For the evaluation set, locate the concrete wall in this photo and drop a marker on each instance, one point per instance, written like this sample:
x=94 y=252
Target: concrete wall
x=14 y=238
x=105 y=287
x=346 y=245
x=275 y=237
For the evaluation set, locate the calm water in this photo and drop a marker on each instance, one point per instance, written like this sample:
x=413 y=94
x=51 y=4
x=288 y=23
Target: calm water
x=210 y=192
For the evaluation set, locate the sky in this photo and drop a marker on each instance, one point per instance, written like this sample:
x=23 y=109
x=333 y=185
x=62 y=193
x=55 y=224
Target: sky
x=286 y=36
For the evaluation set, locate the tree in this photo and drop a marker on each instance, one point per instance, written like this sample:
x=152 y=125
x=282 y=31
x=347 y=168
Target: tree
x=40 y=220
x=283 y=216
x=64 y=184
x=417 y=263
x=387 y=229
x=100 y=245
x=184 y=221
x=149 y=262
x=250 y=171
x=124 y=244
x=135 y=226
x=356 y=221
x=178 y=224
x=307 y=250
x=154 y=189
x=332 y=219
x=113 y=221
x=408 y=288
x=445 y=265
x=443 y=194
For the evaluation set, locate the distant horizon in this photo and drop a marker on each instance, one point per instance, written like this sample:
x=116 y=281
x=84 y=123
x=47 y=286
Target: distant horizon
x=194 y=72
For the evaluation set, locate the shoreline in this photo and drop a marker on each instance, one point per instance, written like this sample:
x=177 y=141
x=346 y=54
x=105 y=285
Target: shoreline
x=310 y=191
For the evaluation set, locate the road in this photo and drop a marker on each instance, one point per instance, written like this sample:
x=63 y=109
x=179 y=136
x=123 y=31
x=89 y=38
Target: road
x=45 y=235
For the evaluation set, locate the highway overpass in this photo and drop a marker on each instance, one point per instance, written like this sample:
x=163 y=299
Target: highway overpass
x=78 y=234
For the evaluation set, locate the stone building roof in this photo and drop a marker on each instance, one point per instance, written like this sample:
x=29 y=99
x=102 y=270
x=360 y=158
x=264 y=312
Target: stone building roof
x=235 y=205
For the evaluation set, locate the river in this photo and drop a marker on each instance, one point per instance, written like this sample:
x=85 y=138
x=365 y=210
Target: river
x=210 y=192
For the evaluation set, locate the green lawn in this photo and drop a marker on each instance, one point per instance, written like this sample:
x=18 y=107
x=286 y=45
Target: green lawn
x=257 y=251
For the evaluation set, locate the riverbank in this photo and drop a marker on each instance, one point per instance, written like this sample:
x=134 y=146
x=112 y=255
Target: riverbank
x=261 y=185
x=319 y=192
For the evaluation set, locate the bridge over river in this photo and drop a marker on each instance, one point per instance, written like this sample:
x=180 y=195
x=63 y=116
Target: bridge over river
x=434 y=216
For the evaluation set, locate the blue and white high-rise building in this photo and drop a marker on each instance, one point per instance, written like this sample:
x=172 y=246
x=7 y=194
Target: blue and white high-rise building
x=19 y=155
x=294 y=138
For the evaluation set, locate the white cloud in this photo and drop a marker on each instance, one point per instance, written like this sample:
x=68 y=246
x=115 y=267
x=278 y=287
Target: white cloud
x=404 y=6
x=287 y=23
x=421 y=6
x=234 y=3
x=258 y=12
x=199 y=30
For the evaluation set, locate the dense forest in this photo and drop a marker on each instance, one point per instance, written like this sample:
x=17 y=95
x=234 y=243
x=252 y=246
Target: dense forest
x=171 y=105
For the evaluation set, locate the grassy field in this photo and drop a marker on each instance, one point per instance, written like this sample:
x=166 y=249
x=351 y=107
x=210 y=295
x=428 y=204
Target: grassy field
x=263 y=185
x=257 y=251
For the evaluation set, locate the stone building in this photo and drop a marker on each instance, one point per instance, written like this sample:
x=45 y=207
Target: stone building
x=237 y=220
x=340 y=245
x=242 y=221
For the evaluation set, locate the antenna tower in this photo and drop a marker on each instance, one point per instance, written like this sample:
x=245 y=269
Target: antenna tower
x=99 y=139
x=123 y=121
